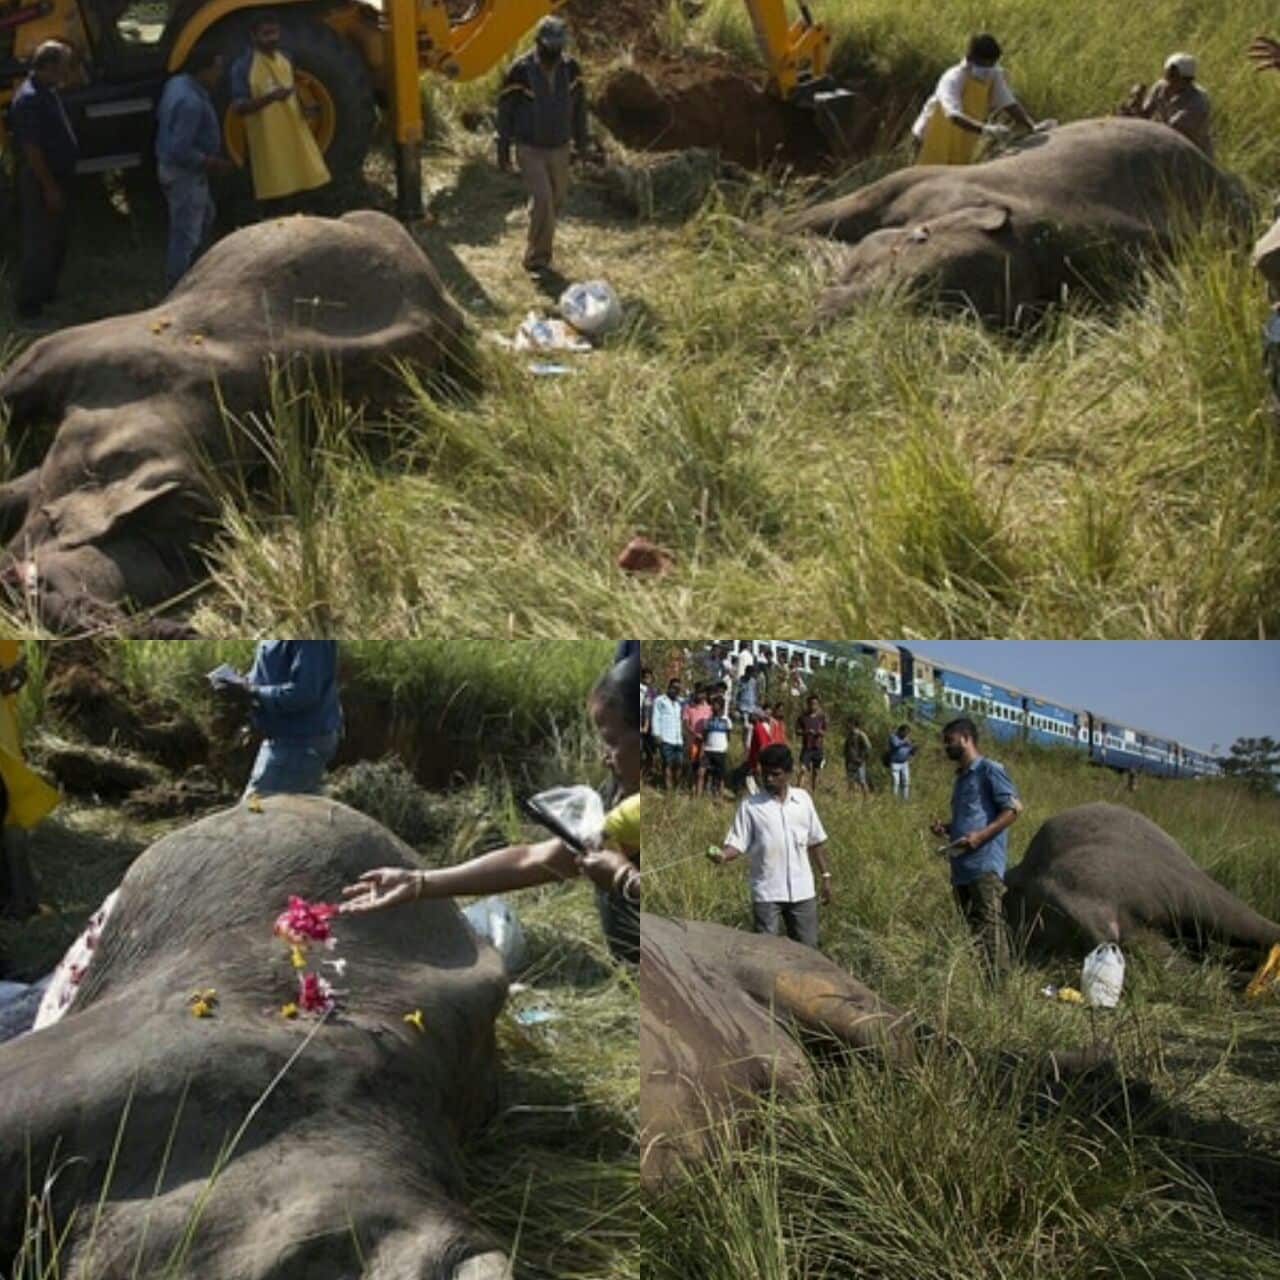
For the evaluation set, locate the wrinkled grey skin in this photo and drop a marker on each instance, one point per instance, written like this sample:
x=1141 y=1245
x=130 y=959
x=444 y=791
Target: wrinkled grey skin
x=137 y=456
x=360 y=1136
x=723 y=1020
x=1105 y=873
x=1070 y=209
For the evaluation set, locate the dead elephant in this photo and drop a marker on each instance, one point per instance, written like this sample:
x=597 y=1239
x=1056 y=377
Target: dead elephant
x=1067 y=210
x=353 y=1154
x=717 y=1009
x=1105 y=873
x=126 y=412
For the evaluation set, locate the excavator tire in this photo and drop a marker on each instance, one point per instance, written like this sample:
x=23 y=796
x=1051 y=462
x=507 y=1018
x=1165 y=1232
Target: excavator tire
x=332 y=66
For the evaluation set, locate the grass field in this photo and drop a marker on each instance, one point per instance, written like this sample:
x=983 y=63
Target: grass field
x=1116 y=476
x=554 y=1175
x=932 y=1172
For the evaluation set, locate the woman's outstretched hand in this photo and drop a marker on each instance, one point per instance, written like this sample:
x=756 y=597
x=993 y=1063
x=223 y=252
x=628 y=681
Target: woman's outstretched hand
x=379 y=888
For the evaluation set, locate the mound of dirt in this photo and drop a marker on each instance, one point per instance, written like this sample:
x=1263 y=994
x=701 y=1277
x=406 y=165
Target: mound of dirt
x=105 y=713
x=196 y=792
x=613 y=25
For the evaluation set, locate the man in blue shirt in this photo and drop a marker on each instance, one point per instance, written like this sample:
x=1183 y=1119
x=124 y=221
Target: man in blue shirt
x=188 y=146
x=984 y=805
x=898 y=758
x=47 y=151
x=292 y=696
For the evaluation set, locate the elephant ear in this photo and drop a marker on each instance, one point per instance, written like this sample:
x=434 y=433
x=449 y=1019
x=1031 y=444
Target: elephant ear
x=978 y=217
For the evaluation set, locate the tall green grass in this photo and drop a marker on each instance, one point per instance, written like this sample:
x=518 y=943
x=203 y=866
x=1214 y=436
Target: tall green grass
x=939 y=1171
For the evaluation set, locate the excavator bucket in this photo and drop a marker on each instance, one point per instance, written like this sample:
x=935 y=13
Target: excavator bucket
x=833 y=111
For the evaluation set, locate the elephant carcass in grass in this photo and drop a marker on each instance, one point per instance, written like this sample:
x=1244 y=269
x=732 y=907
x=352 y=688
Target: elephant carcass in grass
x=718 y=1012
x=1105 y=873
x=353 y=1154
x=134 y=415
x=1072 y=210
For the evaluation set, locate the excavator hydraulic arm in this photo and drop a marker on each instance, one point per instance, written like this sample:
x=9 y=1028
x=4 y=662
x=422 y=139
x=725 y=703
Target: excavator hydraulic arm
x=421 y=36
x=797 y=54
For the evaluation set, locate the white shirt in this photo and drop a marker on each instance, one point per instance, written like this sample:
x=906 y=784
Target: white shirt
x=949 y=95
x=776 y=837
x=744 y=661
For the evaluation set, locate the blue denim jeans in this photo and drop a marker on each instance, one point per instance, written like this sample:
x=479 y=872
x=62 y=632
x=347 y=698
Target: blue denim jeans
x=191 y=216
x=291 y=767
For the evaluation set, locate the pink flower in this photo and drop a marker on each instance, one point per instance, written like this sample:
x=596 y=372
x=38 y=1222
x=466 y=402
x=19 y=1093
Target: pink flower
x=315 y=995
x=305 y=922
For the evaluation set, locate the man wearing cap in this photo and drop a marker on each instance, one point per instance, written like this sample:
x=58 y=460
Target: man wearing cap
x=959 y=112
x=541 y=109
x=1175 y=100
x=47 y=150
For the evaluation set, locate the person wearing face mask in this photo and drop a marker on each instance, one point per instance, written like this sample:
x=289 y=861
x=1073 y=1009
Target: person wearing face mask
x=782 y=836
x=541 y=109
x=960 y=111
x=614 y=705
x=984 y=805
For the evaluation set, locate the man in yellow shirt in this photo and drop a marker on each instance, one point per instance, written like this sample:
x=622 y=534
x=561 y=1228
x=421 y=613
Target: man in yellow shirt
x=284 y=157
x=26 y=798
x=959 y=113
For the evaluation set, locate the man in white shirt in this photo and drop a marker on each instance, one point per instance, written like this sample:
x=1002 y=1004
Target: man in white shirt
x=961 y=109
x=668 y=732
x=780 y=832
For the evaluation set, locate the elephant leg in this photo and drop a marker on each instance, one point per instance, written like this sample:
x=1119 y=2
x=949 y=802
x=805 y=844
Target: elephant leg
x=15 y=501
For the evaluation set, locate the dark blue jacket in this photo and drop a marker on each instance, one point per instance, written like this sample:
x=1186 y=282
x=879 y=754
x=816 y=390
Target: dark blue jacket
x=541 y=110
x=295 y=689
x=187 y=129
x=36 y=115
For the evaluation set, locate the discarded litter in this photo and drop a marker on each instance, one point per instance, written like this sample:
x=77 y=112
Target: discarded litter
x=591 y=307
x=495 y=920
x=548 y=369
x=1064 y=995
x=1102 y=976
x=541 y=333
x=535 y=1015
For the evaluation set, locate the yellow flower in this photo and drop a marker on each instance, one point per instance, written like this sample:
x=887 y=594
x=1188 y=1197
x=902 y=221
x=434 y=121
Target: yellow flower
x=298 y=959
x=202 y=1008
x=289 y=1010
x=255 y=803
x=1069 y=995
x=416 y=1019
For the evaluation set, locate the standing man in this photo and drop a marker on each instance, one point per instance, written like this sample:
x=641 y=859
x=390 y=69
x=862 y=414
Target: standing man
x=188 y=150
x=47 y=151
x=648 y=691
x=696 y=711
x=857 y=751
x=1176 y=100
x=715 y=747
x=812 y=727
x=541 y=108
x=291 y=694
x=984 y=804
x=898 y=758
x=967 y=96
x=667 y=732
x=748 y=702
x=284 y=157
x=781 y=833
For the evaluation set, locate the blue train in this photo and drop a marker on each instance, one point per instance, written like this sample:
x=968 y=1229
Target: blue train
x=939 y=692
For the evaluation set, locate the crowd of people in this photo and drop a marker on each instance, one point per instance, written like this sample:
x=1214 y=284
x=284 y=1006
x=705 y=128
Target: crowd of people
x=756 y=698
x=776 y=825
x=542 y=110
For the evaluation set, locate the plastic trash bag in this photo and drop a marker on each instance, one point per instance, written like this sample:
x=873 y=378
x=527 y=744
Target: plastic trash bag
x=1102 y=977
x=495 y=920
x=538 y=333
x=591 y=307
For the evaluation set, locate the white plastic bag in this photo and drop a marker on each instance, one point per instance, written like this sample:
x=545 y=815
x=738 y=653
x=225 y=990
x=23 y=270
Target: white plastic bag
x=1102 y=978
x=579 y=810
x=494 y=920
x=592 y=308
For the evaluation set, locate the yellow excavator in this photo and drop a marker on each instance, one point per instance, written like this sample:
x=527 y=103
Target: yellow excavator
x=350 y=58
